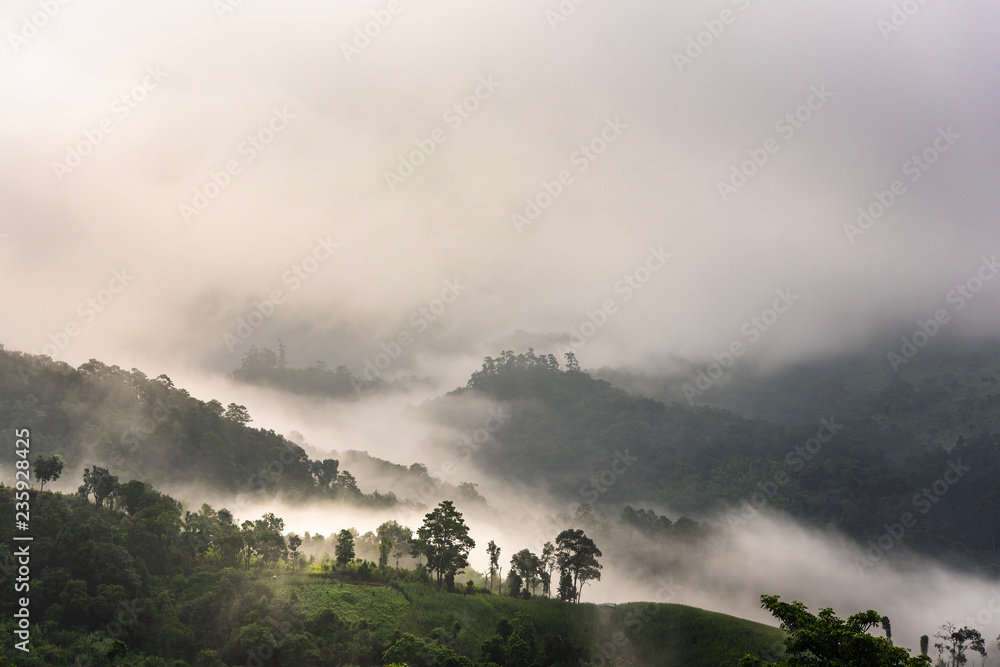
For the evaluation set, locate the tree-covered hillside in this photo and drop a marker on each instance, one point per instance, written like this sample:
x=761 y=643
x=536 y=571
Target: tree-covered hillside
x=591 y=442
x=146 y=428
x=947 y=390
x=132 y=580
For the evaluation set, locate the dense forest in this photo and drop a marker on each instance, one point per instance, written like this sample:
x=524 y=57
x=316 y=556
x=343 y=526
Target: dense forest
x=128 y=575
x=120 y=575
x=567 y=428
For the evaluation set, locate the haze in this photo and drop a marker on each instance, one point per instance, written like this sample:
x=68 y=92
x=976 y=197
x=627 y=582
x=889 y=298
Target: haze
x=345 y=119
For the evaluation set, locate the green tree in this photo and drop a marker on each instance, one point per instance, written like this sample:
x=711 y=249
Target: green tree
x=577 y=554
x=444 y=541
x=826 y=640
x=345 y=547
x=494 y=551
x=99 y=482
x=325 y=472
x=347 y=484
x=238 y=414
x=955 y=642
x=399 y=536
x=528 y=566
x=269 y=543
x=567 y=592
x=384 y=548
x=294 y=542
x=48 y=469
x=548 y=563
x=514 y=583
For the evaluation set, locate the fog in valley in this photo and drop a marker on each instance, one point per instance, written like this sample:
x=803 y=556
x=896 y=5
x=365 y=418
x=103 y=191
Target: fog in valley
x=645 y=185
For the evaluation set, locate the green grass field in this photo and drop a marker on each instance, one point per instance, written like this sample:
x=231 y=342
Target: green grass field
x=642 y=633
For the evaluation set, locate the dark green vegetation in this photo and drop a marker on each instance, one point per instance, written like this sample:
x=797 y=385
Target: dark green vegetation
x=130 y=581
x=567 y=428
x=824 y=639
x=949 y=390
x=207 y=584
x=266 y=367
x=148 y=429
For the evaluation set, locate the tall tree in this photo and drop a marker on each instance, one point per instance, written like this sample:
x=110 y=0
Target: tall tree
x=528 y=566
x=400 y=537
x=577 y=554
x=269 y=543
x=48 y=469
x=514 y=583
x=345 y=547
x=384 y=549
x=294 y=542
x=548 y=564
x=494 y=551
x=444 y=540
x=955 y=642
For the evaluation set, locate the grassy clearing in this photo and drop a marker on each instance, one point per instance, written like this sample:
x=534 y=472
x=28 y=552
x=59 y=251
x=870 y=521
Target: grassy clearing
x=644 y=633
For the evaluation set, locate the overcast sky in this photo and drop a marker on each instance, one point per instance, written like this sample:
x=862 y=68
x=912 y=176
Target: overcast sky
x=120 y=120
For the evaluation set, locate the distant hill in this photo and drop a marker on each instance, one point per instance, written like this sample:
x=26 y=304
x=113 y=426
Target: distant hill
x=265 y=367
x=144 y=428
x=588 y=441
x=949 y=389
x=581 y=438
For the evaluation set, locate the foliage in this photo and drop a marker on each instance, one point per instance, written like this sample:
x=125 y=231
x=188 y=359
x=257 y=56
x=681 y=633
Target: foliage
x=577 y=556
x=824 y=639
x=444 y=540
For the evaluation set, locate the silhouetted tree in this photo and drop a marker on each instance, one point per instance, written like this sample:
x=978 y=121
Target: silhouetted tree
x=444 y=540
x=577 y=554
x=824 y=639
x=48 y=469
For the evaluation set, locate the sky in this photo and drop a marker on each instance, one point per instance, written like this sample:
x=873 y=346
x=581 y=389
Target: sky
x=438 y=181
